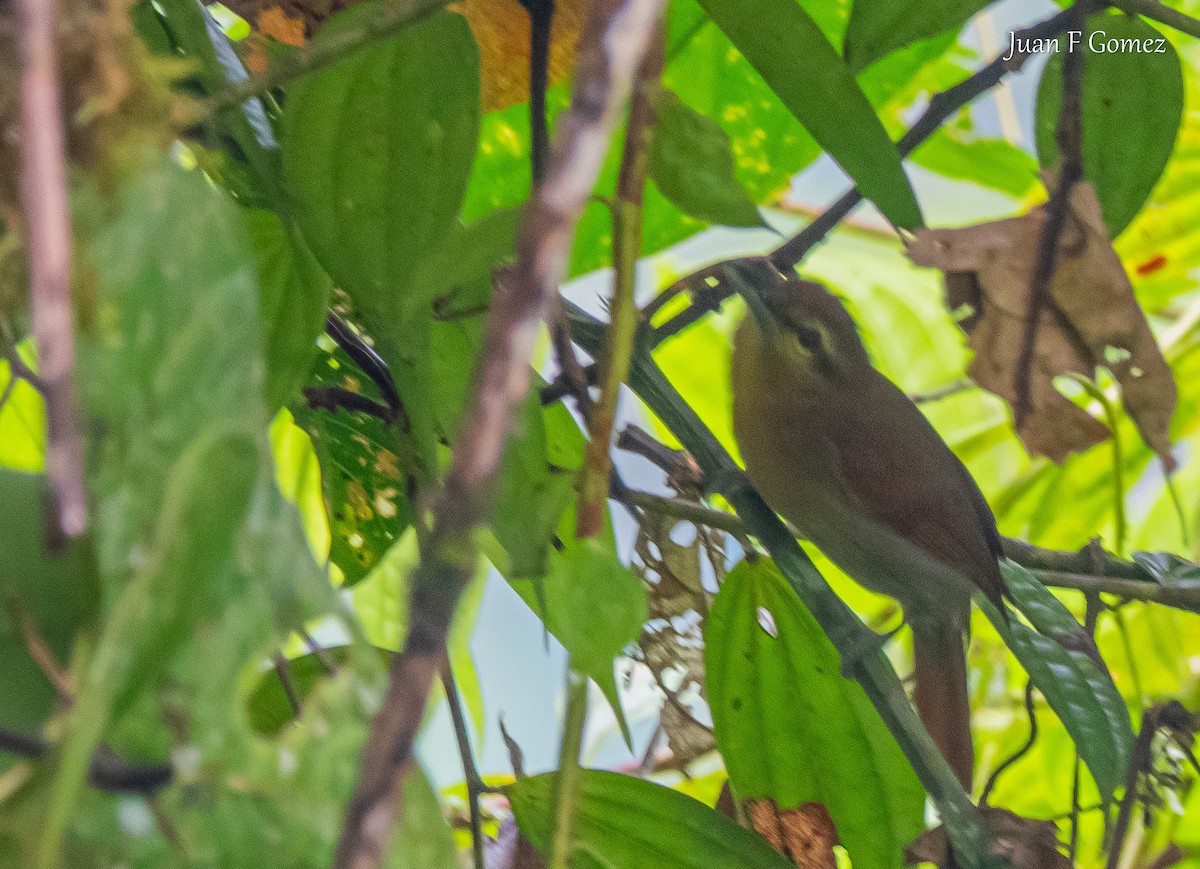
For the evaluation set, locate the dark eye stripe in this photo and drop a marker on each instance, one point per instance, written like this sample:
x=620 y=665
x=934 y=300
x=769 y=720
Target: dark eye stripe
x=810 y=339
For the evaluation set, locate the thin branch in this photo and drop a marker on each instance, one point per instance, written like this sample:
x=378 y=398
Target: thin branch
x=541 y=28
x=372 y=364
x=1123 y=579
x=566 y=781
x=677 y=508
x=1161 y=13
x=280 y=663
x=470 y=771
x=561 y=386
x=623 y=314
x=1031 y=712
x=320 y=53
x=708 y=297
x=335 y=398
x=48 y=239
x=611 y=48
x=1069 y=136
x=106 y=771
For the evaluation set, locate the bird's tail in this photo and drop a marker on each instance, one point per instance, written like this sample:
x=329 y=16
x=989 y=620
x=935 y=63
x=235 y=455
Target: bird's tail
x=940 y=664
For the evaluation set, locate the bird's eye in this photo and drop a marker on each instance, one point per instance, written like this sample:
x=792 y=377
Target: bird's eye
x=810 y=339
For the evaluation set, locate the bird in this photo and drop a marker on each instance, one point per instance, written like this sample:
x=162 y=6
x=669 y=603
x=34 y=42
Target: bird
x=843 y=455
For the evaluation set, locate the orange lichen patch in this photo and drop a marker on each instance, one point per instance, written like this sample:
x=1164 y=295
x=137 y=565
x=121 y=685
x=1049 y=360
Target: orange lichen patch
x=276 y=23
x=501 y=28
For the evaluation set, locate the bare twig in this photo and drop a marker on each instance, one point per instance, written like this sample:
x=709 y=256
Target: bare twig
x=336 y=398
x=48 y=238
x=688 y=511
x=470 y=771
x=623 y=315
x=611 y=48
x=372 y=364
x=327 y=51
x=1069 y=136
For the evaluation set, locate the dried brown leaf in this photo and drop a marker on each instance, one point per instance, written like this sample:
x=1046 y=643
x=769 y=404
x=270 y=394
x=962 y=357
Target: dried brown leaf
x=805 y=834
x=1091 y=319
x=1028 y=844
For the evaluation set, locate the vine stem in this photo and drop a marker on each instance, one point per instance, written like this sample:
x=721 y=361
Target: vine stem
x=566 y=781
x=623 y=316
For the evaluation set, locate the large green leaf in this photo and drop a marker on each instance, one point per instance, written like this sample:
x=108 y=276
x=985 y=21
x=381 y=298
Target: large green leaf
x=879 y=27
x=173 y=378
x=377 y=150
x=54 y=593
x=795 y=58
x=629 y=823
x=792 y=729
x=1085 y=699
x=596 y=603
x=295 y=298
x=692 y=164
x=1132 y=109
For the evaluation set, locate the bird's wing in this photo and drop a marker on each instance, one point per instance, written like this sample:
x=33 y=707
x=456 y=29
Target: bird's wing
x=933 y=501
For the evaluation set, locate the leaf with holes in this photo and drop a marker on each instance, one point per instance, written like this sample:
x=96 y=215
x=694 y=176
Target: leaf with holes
x=793 y=730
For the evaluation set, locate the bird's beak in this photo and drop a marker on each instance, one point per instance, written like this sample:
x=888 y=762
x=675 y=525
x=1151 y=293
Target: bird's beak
x=750 y=277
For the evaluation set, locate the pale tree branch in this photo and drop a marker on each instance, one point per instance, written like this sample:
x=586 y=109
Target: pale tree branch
x=612 y=45
x=48 y=239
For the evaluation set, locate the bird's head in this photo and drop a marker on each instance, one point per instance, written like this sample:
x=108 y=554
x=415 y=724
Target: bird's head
x=799 y=324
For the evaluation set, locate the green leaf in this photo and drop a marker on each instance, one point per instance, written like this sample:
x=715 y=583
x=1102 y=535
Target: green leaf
x=692 y=164
x=993 y=163
x=791 y=53
x=171 y=376
x=57 y=594
x=377 y=150
x=294 y=299
x=1085 y=699
x=22 y=419
x=532 y=496
x=1132 y=109
x=630 y=823
x=596 y=603
x=793 y=730
x=362 y=476
x=879 y=27
x=423 y=838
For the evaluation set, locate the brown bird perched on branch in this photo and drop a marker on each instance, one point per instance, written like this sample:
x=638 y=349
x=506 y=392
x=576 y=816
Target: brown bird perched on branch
x=842 y=454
